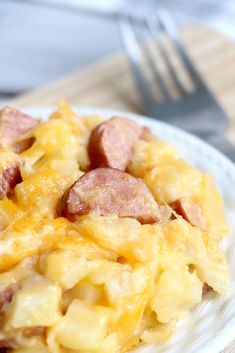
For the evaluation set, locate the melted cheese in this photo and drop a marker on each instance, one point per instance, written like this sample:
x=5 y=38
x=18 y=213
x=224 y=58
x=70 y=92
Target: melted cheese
x=101 y=284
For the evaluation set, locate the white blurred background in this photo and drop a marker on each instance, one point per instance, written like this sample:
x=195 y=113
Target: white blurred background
x=42 y=40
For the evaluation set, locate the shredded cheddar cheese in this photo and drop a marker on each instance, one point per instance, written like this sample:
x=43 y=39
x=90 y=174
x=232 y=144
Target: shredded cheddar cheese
x=101 y=284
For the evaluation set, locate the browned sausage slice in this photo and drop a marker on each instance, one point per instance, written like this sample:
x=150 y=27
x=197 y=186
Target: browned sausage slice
x=190 y=211
x=9 y=179
x=13 y=124
x=111 y=143
x=107 y=191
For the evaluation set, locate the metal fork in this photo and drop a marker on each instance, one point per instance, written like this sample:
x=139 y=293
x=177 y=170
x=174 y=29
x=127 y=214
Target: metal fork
x=197 y=111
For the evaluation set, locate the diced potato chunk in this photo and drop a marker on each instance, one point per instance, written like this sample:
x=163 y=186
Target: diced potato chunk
x=65 y=268
x=37 y=348
x=159 y=333
x=147 y=155
x=44 y=190
x=85 y=291
x=84 y=326
x=126 y=284
x=36 y=305
x=9 y=212
x=103 y=270
x=125 y=236
x=176 y=292
x=50 y=137
x=213 y=209
x=181 y=243
x=7 y=158
x=213 y=270
x=109 y=345
x=127 y=291
x=172 y=181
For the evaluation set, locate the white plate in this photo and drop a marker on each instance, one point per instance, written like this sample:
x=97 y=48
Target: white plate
x=211 y=326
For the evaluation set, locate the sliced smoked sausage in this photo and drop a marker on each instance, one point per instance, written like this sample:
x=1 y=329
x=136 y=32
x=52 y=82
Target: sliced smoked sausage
x=13 y=124
x=190 y=211
x=111 y=143
x=107 y=191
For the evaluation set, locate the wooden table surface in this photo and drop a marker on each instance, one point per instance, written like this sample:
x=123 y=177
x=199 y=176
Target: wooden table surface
x=109 y=84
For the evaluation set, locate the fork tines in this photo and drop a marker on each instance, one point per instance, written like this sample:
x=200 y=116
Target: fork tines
x=155 y=49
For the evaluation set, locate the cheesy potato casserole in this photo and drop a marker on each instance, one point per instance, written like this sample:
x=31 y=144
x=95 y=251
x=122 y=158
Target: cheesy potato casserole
x=108 y=237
